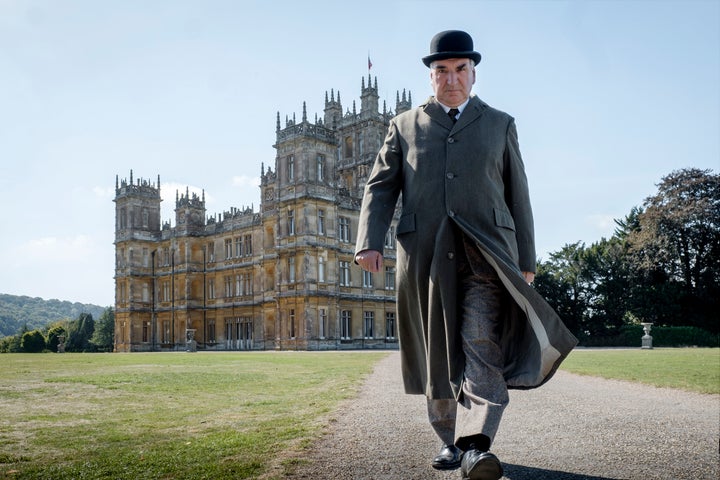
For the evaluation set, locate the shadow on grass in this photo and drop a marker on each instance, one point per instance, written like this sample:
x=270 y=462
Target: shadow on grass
x=520 y=472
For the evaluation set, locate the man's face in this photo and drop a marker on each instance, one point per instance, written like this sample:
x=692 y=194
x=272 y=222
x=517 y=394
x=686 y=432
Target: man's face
x=452 y=80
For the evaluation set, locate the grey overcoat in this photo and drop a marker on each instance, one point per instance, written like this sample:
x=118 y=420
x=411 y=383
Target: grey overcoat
x=470 y=174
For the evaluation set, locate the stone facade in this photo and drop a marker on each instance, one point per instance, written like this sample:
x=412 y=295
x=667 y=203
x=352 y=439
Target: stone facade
x=279 y=278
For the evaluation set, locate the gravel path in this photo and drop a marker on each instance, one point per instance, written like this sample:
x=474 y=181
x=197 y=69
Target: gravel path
x=572 y=428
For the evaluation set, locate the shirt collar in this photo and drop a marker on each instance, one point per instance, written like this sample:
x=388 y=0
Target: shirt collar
x=460 y=107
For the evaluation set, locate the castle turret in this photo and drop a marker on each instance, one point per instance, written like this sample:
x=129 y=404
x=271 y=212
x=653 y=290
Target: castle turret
x=333 y=110
x=189 y=212
x=137 y=209
x=369 y=99
x=405 y=104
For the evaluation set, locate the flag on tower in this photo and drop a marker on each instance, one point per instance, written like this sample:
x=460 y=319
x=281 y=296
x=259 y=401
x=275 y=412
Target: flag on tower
x=369 y=63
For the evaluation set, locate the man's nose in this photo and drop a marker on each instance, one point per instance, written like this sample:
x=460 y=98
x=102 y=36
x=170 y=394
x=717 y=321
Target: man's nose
x=452 y=78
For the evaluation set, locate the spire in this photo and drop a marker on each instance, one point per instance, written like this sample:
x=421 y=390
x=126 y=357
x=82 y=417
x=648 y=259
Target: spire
x=131 y=180
x=117 y=185
x=158 y=181
x=304 y=117
x=277 y=126
x=362 y=85
x=354 y=110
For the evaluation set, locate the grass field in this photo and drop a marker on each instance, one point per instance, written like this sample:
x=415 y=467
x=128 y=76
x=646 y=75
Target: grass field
x=220 y=415
x=692 y=369
x=167 y=415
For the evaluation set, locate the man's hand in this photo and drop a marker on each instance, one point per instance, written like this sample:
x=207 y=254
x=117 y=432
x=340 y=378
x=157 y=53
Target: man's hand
x=529 y=276
x=370 y=260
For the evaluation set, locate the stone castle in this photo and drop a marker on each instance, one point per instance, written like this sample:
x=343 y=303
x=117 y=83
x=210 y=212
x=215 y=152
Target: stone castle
x=281 y=278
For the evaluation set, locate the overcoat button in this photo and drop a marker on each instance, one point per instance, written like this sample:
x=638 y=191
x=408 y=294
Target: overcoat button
x=450 y=175
x=451 y=140
x=451 y=255
x=451 y=213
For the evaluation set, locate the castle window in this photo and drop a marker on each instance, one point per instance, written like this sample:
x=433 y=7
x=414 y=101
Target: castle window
x=390 y=238
x=345 y=274
x=346 y=324
x=248 y=245
x=238 y=285
x=228 y=286
x=211 y=331
x=390 y=325
x=348 y=147
x=291 y=269
x=344 y=229
x=291 y=168
x=369 y=321
x=211 y=252
x=389 y=278
x=145 y=332
x=122 y=219
x=291 y=222
x=228 y=248
x=166 y=257
x=166 y=291
x=322 y=324
x=145 y=293
x=166 y=331
x=321 y=168
x=247 y=283
x=321 y=222
x=292 y=323
x=321 y=270
x=238 y=247
x=211 y=289
x=145 y=217
x=146 y=257
x=367 y=279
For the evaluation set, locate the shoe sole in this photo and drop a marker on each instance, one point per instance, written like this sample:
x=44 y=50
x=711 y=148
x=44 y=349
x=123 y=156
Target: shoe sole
x=487 y=469
x=446 y=466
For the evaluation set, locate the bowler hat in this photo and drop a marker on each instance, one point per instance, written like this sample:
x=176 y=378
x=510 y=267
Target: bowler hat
x=451 y=44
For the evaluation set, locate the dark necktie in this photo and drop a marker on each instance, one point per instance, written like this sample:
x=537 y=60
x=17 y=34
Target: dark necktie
x=452 y=113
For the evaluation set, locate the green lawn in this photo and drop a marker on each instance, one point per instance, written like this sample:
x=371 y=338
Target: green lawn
x=167 y=415
x=220 y=415
x=692 y=369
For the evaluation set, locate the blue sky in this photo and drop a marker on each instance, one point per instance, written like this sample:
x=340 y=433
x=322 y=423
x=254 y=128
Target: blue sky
x=608 y=96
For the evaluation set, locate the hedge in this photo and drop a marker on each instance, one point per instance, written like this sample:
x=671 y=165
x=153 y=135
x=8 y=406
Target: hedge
x=631 y=336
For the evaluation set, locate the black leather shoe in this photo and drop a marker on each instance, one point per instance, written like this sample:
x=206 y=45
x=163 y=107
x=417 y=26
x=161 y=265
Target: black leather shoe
x=477 y=465
x=449 y=458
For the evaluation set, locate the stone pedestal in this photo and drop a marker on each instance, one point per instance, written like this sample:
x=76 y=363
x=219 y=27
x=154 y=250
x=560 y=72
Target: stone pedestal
x=647 y=339
x=190 y=343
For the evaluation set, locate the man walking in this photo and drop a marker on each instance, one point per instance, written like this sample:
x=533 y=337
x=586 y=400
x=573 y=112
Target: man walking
x=470 y=325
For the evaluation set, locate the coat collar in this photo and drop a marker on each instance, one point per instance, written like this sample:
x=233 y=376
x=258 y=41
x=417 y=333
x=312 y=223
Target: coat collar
x=472 y=112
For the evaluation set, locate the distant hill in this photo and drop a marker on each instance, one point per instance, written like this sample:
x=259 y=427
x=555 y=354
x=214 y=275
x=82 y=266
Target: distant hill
x=16 y=311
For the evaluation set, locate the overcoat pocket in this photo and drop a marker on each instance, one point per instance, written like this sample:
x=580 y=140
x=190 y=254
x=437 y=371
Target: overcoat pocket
x=406 y=224
x=504 y=219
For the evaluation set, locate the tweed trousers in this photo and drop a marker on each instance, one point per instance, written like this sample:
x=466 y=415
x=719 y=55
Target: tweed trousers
x=482 y=304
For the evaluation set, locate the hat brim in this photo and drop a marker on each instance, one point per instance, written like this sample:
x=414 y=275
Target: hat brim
x=474 y=56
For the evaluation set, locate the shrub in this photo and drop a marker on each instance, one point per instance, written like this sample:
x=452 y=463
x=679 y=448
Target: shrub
x=33 y=342
x=631 y=336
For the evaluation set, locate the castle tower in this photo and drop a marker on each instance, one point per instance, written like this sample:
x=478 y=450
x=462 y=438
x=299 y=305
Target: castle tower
x=137 y=231
x=189 y=213
x=403 y=105
x=369 y=99
x=333 y=110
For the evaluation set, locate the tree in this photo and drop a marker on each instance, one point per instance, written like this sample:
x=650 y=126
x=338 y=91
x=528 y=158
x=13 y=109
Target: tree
x=675 y=251
x=54 y=332
x=103 y=337
x=32 y=342
x=79 y=333
x=560 y=281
